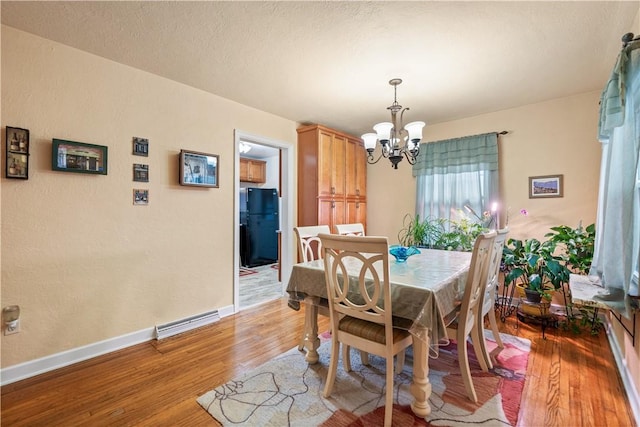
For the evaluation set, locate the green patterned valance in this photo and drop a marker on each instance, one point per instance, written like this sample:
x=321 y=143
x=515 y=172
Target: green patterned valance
x=457 y=155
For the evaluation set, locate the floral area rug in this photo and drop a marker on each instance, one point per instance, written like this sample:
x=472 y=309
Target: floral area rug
x=287 y=391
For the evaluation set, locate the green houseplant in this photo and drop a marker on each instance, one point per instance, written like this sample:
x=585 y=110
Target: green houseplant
x=533 y=264
x=421 y=233
x=440 y=233
x=576 y=245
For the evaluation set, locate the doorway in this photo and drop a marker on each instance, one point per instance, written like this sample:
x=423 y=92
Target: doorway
x=261 y=276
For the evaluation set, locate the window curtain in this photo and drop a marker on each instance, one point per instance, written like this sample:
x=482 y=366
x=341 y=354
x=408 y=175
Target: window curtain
x=617 y=247
x=456 y=172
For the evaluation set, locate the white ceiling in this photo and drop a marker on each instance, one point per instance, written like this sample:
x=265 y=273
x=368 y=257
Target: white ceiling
x=330 y=62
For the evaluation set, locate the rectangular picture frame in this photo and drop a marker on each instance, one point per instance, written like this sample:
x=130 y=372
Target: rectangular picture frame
x=79 y=157
x=546 y=186
x=198 y=169
x=17 y=153
x=140 y=196
x=140 y=172
x=140 y=146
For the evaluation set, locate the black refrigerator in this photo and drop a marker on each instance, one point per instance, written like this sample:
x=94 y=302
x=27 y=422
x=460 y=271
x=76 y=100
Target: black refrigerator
x=261 y=222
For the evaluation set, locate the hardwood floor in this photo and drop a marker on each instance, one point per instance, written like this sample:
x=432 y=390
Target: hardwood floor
x=571 y=380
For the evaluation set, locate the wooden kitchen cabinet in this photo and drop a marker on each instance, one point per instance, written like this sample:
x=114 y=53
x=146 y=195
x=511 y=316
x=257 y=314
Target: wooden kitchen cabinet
x=252 y=170
x=331 y=177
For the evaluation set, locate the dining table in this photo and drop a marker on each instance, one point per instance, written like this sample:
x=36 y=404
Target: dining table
x=424 y=290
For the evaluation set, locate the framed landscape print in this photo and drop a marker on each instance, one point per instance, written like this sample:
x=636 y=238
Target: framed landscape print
x=545 y=186
x=198 y=169
x=71 y=156
x=17 y=159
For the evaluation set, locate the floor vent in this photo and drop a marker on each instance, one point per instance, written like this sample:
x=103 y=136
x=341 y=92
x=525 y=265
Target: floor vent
x=183 y=325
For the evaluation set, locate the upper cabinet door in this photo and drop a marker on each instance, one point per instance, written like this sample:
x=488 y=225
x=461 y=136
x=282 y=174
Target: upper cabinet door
x=331 y=165
x=361 y=170
x=356 y=169
x=253 y=170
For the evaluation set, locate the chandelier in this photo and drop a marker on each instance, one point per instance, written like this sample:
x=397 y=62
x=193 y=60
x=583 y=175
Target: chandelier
x=395 y=140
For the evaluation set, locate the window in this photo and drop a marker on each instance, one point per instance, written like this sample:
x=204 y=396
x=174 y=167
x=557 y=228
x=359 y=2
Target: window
x=455 y=173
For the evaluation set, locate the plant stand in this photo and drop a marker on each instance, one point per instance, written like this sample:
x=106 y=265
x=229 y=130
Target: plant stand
x=504 y=302
x=536 y=312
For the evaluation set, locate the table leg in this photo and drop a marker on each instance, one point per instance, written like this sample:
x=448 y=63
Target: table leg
x=312 y=342
x=420 y=386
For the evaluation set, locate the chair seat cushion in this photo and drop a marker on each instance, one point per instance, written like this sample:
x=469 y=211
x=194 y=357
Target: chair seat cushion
x=369 y=330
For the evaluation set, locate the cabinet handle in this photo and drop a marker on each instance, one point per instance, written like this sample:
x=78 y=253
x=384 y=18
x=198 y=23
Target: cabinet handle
x=357 y=205
x=333 y=205
x=357 y=191
x=333 y=190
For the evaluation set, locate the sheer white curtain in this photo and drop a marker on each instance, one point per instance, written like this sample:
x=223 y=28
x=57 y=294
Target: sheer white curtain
x=457 y=172
x=617 y=247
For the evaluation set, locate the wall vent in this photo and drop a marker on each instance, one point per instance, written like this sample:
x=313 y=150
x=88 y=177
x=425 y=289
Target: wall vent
x=186 y=324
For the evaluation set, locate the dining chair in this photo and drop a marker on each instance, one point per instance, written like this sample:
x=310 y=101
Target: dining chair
x=360 y=305
x=464 y=323
x=488 y=303
x=310 y=249
x=356 y=229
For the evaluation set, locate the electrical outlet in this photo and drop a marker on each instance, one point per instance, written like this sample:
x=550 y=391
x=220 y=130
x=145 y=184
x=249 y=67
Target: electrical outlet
x=13 y=329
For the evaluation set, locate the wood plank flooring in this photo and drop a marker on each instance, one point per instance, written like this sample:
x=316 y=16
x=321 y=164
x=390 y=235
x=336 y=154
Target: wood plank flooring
x=571 y=380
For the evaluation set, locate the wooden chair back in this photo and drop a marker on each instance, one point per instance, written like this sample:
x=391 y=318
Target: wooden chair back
x=476 y=281
x=309 y=245
x=366 y=295
x=355 y=229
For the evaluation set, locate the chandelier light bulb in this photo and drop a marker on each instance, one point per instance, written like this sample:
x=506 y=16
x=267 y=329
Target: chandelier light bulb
x=370 y=140
x=415 y=131
x=383 y=130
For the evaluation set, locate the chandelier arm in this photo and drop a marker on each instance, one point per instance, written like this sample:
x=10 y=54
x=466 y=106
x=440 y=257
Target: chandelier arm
x=411 y=159
x=402 y=117
x=373 y=162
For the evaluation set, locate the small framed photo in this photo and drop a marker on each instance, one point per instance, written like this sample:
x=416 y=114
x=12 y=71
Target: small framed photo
x=17 y=165
x=140 y=146
x=17 y=153
x=545 y=186
x=71 y=156
x=198 y=169
x=140 y=172
x=140 y=197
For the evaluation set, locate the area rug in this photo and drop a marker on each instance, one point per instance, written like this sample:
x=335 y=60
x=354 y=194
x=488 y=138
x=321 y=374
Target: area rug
x=244 y=271
x=287 y=391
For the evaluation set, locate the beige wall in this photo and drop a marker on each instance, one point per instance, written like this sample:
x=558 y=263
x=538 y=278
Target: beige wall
x=80 y=259
x=553 y=137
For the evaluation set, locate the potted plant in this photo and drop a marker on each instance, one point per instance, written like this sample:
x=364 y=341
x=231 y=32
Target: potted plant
x=533 y=264
x=576 y=246
x=440 y=233
x=461 y=236
x=420 y=233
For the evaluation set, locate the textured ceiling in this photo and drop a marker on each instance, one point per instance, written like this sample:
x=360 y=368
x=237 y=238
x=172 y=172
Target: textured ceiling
x=330 y=62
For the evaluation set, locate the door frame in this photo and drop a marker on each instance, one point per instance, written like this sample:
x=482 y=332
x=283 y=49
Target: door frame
x=286 y=215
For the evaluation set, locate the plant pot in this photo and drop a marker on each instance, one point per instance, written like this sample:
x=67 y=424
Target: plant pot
x=533 y=296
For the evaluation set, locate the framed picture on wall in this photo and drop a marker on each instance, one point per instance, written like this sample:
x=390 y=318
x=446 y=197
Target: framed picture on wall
x=17 y=159
x=140 y=196
x=71 y=156
x=140 y=146
x=140 y=172
x=545 y=186
x=198 y=169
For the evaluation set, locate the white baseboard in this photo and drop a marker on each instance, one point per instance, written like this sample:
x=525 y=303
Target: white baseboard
x=35 y=367
x=627 y=379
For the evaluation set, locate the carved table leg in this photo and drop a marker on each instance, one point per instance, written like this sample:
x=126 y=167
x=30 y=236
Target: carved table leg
x=312 y=342
x=420 y=386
